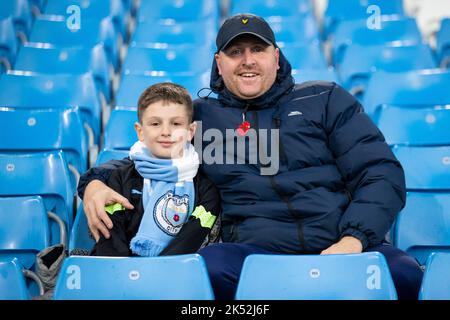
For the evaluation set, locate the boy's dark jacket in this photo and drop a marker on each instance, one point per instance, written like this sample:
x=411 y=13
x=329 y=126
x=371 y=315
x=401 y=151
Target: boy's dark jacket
x=127 y=181
x=336 y=176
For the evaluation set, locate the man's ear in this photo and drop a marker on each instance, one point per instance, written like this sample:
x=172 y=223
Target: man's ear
x=138 y=129
x=192 y=129
x=217 y=57
x=277 y=56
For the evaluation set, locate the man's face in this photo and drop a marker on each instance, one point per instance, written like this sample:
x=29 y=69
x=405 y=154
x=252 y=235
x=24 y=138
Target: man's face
x=165 y=129
x=248 y=66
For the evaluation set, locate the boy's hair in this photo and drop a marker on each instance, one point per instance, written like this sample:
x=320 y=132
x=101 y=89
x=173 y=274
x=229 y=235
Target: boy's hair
x=166 y=92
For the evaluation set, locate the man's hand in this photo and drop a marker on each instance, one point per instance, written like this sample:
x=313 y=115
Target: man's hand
x=96 y=196
x=345 y=245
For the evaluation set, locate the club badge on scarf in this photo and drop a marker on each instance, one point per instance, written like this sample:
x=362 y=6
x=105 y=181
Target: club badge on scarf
x=168 y=197
x=171 y=211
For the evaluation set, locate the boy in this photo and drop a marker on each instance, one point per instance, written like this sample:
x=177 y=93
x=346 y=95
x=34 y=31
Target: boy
x=161 y=183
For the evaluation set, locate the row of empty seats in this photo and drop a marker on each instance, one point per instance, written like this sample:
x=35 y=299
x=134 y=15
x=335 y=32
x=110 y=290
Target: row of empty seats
x=363 y=276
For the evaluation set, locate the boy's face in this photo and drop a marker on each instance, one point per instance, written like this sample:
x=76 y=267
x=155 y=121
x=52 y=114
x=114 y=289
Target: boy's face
x=165 y=129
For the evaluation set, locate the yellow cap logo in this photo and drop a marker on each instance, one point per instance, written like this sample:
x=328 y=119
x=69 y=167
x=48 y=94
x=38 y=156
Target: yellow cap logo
x=244 y=21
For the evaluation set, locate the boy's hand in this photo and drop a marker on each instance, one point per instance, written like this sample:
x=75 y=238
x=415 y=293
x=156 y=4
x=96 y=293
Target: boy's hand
x=346 y=245
x=96 y=196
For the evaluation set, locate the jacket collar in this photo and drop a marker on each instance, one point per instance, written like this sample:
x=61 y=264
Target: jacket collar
x=284 y=82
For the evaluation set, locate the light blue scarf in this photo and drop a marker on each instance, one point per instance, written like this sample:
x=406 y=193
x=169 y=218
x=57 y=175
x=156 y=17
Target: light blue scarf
x=168 y=197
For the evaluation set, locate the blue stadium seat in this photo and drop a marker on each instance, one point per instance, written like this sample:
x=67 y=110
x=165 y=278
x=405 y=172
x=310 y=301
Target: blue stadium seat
x=414 y=125
x=45 y=129
x=151 y=34
x=306 y=57
x=119 y=132
x=95 y=10
x=79 y=236
x=313 y=277
x=55 y=90
x=181 y=277
x=392 y=29
x=67 y=60
x=45 y=174
x=343 y=10
x=314 y=75
x=176 y=60
x=132 y=86
x=426 y=168
x=436 y=280
x=53 y=31
x=106 y=155
x=8 y=44
x=179 y=11
x=295 y=32
x=37 y=6
x=413 y=88
x=20 y=12
x=423 y=226
x=272 y=8
x=359 y=62
x=24 y=228
x=13 y=284
x=443 y=43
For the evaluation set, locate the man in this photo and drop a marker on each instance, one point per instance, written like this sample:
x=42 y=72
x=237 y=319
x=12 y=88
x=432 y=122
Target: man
x=337 y=187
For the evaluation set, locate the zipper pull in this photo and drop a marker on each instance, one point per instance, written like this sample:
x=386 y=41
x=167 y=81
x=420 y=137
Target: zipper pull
x=243 y=127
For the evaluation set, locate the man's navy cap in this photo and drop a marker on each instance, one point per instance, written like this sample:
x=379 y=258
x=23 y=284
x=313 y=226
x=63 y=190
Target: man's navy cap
x=244 y=24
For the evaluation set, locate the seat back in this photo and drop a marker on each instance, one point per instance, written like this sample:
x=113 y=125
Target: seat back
x=272 y=8
x=306 y=57
x=54 y=90
x=20 y=11
x=423 y=226
x=124 y=278
x=287 y=33
x=359 y=62
x=419 y=125
x=74 y=61
x=418 y=87
x=151 y=34
x=12 y=281
x=132 y=86
x=42 y=129
x=436 y=281
x=95 y=10
x=8 y=43
x=391 y=29
x=328 y=74
x=80 y=237
x=179 y=11
x=342 y=10
x=24 y=228
x=176 y=60
x=329 y=277
x=54 y=32
x=443 y=43
x=45 y=174
x=426 y=168
x=119 y=132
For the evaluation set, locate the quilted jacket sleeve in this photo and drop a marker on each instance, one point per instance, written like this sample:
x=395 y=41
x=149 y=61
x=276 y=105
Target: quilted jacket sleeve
x=101 y=172
x=372 y=174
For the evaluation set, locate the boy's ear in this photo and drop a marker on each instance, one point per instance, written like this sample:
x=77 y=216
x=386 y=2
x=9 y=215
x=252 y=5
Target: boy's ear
x=138 y=129
x=192 y=129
